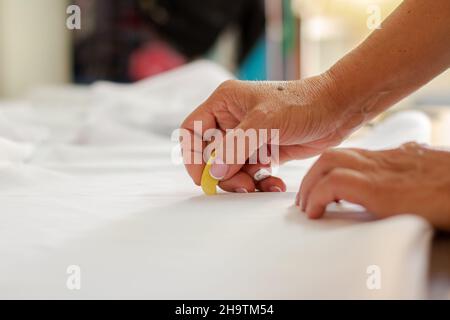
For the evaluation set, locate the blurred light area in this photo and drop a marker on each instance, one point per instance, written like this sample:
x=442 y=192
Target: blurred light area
x=331 y=28
x=224 y=52
x=319 y=28
x=34 y=45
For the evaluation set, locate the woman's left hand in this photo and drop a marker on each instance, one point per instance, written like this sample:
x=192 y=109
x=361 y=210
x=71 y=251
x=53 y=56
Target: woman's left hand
x=412 y=179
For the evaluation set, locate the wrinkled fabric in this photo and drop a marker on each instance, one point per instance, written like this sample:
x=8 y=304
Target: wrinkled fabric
x=87 y=178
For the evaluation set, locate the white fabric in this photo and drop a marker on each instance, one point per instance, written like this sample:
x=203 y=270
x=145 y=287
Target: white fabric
x=93 y=185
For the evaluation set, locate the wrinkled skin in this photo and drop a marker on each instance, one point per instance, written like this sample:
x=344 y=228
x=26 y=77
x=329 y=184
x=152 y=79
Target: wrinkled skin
x=412 y=179
x=303 y=112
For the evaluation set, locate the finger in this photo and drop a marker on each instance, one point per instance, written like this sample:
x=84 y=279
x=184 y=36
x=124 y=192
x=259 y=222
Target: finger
x=297 y=152
x=258 y=171
x=271 y=184
x=328 y=161
x=191 y=139
x=262 y=176
x=344 y=184
x=241 y=182
x=206 y=123
x=193 y=156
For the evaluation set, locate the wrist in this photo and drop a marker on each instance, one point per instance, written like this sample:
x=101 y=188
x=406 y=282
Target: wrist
x=357 y=94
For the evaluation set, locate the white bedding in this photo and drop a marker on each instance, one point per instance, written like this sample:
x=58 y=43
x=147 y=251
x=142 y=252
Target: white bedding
x=86 y=179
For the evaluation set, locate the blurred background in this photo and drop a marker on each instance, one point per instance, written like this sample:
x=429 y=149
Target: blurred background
x=129 y=40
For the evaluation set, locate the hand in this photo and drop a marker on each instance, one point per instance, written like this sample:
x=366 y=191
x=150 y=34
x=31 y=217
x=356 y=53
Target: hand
x=305 y=112
x=412 y=179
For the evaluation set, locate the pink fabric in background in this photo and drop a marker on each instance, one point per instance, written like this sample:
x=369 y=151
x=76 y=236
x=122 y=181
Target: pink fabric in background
x=152 y=59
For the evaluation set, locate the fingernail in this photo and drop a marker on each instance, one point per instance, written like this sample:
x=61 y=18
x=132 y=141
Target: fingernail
x=275 y=189
x=262 y=174
x=241 y=190
x=297 y=199
x=218 y=169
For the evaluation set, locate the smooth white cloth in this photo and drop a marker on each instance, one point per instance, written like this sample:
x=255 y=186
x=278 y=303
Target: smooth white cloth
x=94 y=185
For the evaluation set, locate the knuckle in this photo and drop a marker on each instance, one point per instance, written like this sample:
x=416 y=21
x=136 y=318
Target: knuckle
x=335 y=177
x=227 y=85
x=411 y=144
x=373 y=185
x=328 y=155
x=413 y=147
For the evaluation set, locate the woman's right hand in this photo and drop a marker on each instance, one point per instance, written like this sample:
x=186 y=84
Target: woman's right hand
x=308 y=114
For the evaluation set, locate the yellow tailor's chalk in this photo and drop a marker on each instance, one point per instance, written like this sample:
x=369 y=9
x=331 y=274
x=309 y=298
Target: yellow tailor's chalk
x=208 y=183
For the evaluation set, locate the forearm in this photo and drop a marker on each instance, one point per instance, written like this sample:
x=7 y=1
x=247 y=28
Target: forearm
x=411 y=48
